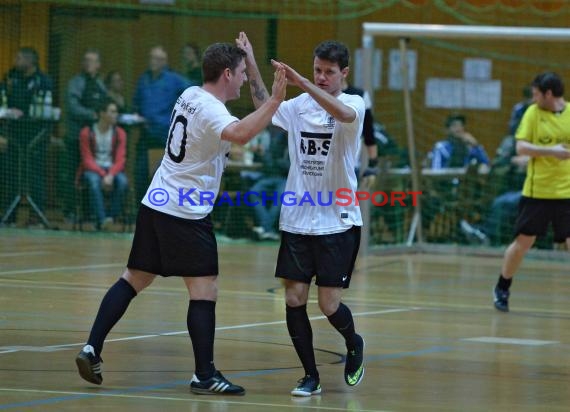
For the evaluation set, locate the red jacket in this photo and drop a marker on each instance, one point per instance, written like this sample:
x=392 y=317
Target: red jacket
x=87 y=150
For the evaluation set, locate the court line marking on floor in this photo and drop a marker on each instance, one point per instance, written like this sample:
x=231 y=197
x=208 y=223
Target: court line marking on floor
x=61 y=269
x=164 y=289
x=54 y=348
x=18 y=254
x=511 y=341
x=161 y=289
x=170 y=291
x=225 y=401
x=125 y=392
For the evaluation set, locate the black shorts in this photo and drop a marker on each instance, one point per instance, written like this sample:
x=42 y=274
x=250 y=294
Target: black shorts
x=171 y=246
x=328 y=257
x=536 y=214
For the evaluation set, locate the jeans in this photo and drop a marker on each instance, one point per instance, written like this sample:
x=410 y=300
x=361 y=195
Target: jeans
x=266 y=213
x=502 y=216
x=95 y=189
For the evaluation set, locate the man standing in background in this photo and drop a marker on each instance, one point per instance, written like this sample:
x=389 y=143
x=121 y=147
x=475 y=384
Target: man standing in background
x=84 y=93
x=191 y=61
x=24 y=86
x=155 y=96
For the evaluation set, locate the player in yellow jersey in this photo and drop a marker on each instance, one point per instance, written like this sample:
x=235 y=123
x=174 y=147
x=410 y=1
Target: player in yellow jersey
x=543 y=136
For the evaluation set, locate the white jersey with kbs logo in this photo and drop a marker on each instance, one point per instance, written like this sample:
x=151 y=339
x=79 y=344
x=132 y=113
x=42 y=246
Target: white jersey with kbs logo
x=187 y=182
x=323 y=153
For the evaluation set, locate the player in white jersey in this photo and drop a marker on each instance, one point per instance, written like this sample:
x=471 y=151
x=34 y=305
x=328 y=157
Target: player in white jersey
x=174 y=234
x=319 y=238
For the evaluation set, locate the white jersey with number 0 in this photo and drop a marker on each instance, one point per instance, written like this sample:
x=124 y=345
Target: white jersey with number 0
x=194 y=157
x=323 y=155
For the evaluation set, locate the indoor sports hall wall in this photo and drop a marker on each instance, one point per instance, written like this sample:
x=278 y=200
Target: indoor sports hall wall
x=124 y=31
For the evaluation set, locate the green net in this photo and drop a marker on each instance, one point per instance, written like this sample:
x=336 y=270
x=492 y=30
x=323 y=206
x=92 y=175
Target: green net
x=483 y=84
x=39 y=153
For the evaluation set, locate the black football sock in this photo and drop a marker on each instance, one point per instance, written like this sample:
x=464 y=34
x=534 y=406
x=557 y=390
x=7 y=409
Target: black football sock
x=504 y=283
x=112 y=308
x=201 y=322
x=301 y=334
x=342 y=321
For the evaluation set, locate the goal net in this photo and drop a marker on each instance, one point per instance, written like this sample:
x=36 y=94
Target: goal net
x=441 y=87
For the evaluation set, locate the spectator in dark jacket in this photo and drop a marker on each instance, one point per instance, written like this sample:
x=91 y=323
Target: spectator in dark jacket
x=519 y=109
x=459 y=148
x=84 y=92
x=23 y=84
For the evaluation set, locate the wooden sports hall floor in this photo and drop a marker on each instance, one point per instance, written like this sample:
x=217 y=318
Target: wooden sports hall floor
x=433 y=340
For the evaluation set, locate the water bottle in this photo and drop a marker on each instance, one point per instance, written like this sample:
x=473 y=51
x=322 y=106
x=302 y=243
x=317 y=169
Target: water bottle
x=47 y=114
x=4 y=100
x=39 y=105
x=32 y=109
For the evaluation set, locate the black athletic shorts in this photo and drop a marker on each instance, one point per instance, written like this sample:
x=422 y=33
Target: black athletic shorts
x=172 y=246
x=328 y=257
x=536 y=214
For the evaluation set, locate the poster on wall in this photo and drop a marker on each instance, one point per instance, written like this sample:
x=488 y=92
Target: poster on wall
x=477 y=69
x=484 y=95
x=395 y=69
x=358 y=73
x=444 y=93
x=463 y=94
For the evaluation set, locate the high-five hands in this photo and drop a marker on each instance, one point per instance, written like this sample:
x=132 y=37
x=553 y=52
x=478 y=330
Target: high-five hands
x=243 y=43
x=279 y=88
x=294 y=78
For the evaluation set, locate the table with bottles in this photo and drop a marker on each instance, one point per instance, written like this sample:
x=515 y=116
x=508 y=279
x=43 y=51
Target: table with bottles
x=27 y=133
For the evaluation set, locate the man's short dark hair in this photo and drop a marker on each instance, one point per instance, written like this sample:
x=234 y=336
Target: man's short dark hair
x=549 y=81
x=31 y=54
x=455 y=117
x=334 y=52
x=219 y=57
x=103 y=105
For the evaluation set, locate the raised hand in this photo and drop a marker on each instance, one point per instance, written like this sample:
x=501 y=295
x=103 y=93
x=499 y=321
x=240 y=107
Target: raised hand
x=279 y=88
x=468 y=139
x=293 y=77
x=243 y=43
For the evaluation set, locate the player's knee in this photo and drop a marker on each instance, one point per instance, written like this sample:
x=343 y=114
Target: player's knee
x=205 y=293
x=295 y=300
x=139 y=280
x=296 y=293
x=524 y=243
x=328 y=307
x=202 y=288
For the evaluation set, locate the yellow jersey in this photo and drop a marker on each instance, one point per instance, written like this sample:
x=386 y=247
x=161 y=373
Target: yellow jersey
x=547 y=177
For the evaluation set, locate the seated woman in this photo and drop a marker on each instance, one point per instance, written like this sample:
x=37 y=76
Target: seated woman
x=103 y=151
